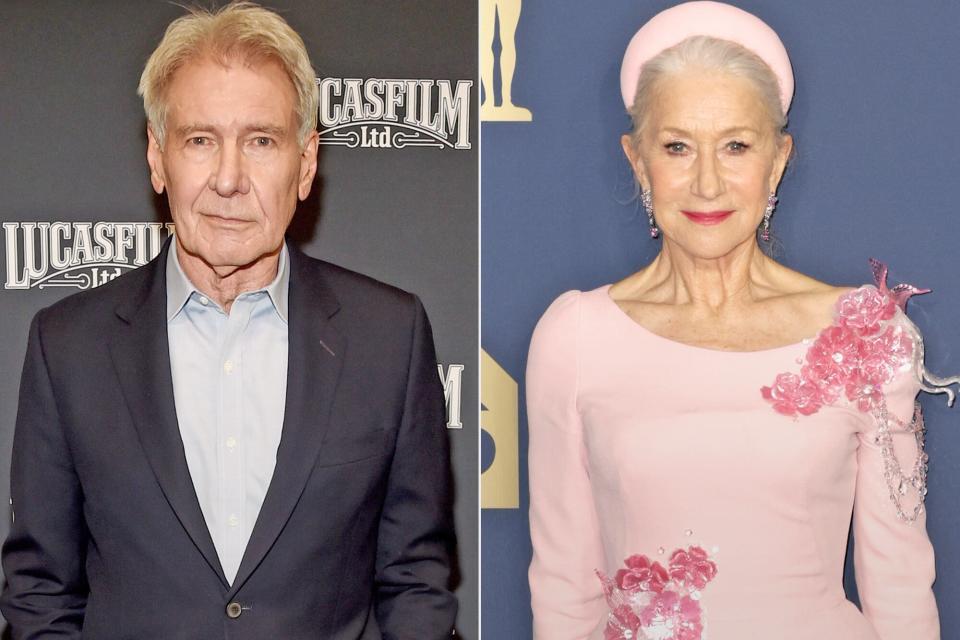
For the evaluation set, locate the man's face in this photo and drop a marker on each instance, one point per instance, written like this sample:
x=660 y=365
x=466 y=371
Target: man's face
x=231 y=162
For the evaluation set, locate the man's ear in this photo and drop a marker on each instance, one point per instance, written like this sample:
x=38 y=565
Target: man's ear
x=308 y=164
x=155 y=160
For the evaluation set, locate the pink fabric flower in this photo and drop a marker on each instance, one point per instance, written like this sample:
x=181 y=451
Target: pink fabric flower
x=886 y=354
x=623 y=624
x=668 y=610
x=862 y=392
x=647 y=601
x=641 y=575
x=853 y=358
x=791 y=394
x=692 y=567
x=832 y=358
x=880 y=359
x=864 y=309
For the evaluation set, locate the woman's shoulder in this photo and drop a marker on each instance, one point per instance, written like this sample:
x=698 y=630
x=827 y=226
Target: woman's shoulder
x=558 y=332
x=828 y=304
x=569 y=307
x=801 y=299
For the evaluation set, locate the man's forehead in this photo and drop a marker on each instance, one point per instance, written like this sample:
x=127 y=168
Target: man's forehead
x=204 y=90
x=233 y=66
x=233 y=57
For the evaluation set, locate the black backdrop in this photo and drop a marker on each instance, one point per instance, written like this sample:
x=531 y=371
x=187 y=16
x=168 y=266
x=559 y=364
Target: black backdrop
x=73 y=151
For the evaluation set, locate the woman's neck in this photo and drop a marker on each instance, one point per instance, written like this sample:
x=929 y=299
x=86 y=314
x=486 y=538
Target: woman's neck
x=713 y=283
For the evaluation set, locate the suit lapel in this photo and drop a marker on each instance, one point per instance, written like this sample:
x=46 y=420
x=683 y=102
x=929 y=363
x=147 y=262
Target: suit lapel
x=316 y=351
x=141 y=357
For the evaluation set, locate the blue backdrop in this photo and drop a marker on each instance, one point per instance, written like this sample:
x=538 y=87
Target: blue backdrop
x=877 y=137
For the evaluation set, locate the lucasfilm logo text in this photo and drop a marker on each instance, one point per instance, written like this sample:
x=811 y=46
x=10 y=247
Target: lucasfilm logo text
x=393 y=114
x=452 y=392
x=79 y=255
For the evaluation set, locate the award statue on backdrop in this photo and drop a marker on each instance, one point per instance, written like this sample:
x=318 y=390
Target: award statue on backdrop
x=499 y=418
x=508 y=13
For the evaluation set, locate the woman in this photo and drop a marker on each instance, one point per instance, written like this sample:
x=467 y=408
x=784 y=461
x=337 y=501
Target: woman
x=701 y=430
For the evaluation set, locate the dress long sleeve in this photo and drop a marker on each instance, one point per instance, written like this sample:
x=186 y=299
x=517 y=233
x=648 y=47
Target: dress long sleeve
x=893 y=559
x=566 y=594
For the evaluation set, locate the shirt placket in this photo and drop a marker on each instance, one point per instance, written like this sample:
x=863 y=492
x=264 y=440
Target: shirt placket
x=230 y=438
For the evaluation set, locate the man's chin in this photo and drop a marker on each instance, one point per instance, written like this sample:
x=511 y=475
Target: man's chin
x=228 y=255
x=226 y=263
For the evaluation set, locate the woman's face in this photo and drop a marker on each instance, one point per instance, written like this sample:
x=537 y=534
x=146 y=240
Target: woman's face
x=711 y=156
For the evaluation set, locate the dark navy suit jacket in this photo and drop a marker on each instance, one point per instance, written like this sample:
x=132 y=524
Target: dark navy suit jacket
x=354 y=535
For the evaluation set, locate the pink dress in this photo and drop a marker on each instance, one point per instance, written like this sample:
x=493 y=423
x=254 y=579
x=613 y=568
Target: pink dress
x=710 y=493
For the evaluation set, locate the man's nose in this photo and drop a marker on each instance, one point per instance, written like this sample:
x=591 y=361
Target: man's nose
x=229 y=176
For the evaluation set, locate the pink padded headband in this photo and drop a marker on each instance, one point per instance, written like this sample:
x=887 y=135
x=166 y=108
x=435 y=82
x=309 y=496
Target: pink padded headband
x=705 y=18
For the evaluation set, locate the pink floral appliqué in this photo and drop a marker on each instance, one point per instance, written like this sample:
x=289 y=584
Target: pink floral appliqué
x=864 y=309
x=651 y=602
x=668 y=610
x=692 y=567
x=854 y=357
x=791 y=394
x=641 y=575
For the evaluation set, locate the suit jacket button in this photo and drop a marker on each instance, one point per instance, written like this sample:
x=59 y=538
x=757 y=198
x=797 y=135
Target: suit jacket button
x=234 y=610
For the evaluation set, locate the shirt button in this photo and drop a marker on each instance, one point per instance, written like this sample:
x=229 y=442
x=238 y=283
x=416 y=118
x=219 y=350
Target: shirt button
x=204 y=300
x=231 y=443
x=228 y=366
x=233 y=520
x=234 y=610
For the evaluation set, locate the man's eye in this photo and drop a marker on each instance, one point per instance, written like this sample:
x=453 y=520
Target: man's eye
x=675 y=147
x=198 y=141
x=262 y=141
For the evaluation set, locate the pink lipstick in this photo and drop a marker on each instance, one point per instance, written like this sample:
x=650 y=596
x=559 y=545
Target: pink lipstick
x=707 y=217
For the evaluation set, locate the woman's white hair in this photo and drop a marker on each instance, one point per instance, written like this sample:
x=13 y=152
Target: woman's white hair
x=711 y=54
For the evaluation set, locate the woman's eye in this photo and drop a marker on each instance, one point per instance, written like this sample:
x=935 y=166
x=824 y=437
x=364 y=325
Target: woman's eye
x=738 y=147
x=675 y=147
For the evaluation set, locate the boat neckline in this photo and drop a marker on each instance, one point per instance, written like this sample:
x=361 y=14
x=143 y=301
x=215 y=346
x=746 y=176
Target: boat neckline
x=618 y=310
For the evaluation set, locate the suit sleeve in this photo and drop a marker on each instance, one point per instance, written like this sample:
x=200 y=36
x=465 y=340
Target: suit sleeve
x=415 y=538
x=893 y=559
x=565 y=592
x=44 y=555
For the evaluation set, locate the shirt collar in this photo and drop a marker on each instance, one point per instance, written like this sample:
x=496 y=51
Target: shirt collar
x=179 y=287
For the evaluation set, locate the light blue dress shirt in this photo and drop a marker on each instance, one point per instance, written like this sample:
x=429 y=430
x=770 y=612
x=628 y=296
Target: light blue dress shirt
x=230 y=386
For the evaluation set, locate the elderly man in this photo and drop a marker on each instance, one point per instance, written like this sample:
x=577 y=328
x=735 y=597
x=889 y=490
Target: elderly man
x=262 y=452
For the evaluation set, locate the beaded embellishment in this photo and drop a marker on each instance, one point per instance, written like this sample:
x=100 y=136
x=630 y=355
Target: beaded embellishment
x=851 y=361
x=651 y=602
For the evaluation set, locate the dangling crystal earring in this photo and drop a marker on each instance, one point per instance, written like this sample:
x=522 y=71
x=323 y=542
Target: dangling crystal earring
x=646 y=197
x=771 y=205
